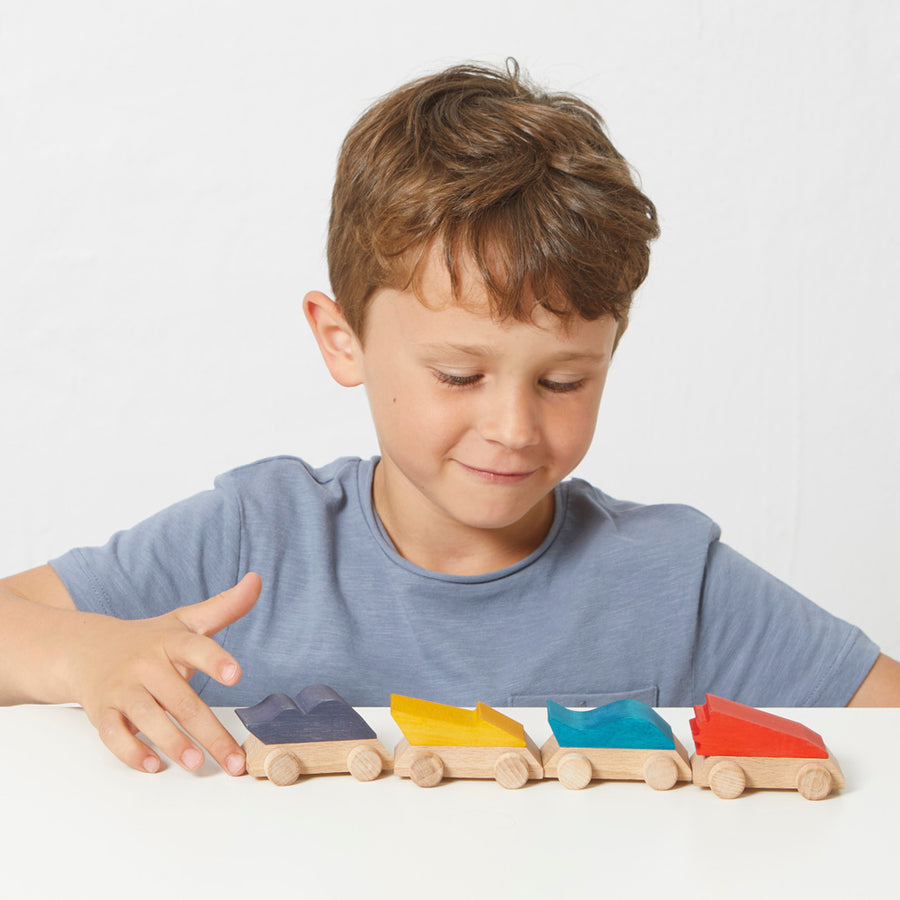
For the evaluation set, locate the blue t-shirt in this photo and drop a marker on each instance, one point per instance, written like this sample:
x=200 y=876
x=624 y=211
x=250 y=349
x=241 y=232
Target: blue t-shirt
x=619 y=600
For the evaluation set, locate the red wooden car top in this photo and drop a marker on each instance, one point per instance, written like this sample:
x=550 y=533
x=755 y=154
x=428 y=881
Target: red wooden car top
x=726 y=728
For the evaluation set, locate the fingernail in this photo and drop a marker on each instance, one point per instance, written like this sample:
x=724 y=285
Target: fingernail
x=192 y=759
x=229 y=671
x=150 y=764
x=235 y=763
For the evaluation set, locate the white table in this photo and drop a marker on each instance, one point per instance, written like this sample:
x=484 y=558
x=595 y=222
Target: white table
x=74 y=817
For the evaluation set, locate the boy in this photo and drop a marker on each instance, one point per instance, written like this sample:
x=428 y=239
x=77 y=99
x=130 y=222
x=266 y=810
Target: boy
x=484 y=246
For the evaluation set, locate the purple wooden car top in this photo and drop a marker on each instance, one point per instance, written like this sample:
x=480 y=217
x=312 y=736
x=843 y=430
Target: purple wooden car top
x=317 y=713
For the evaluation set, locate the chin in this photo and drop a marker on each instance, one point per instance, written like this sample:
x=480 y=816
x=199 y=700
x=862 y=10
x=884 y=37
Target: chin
x=494 y=519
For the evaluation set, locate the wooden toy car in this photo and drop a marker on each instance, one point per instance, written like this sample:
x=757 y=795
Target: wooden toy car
x=316 y=732
x=449 y=741
x=742 y=747
x=625 y=740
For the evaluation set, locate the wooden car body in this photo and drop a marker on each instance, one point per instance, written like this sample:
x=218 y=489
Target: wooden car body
x=285 y=763
x=315 y=732
x=427 y=766
x=739 y=746
x=625 y=740
x=728 y=776
x=442 y=741
x=576 y=767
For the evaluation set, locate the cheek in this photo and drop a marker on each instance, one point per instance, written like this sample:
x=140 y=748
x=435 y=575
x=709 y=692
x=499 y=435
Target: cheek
x=410 y=412
x=439 y=422
x=570 y=432
x=387 y=403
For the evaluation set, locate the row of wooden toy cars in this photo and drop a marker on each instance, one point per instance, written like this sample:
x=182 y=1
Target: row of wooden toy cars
x=737 y=746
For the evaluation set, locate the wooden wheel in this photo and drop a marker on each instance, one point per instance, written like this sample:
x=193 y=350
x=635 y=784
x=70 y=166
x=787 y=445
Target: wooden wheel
x=814 y=781
x=282 y=768
x=574 y=771
x=727 y=779
x=660 y=772
x=511 y=771
x=364 y=764
x=426 y=769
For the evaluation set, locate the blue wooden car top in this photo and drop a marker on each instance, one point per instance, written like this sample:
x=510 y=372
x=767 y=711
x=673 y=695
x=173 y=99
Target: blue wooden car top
x=317 y=713
x=621 y=724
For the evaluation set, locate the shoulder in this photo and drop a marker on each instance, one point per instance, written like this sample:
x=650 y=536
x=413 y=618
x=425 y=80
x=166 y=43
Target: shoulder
x=589 y=507
x=663 y=547
x=276 y=473
x=282 y=490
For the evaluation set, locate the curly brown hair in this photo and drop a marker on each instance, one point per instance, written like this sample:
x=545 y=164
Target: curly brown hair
x=482 y=164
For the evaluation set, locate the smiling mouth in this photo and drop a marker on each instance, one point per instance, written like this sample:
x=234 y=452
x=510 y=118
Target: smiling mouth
x=496 y=477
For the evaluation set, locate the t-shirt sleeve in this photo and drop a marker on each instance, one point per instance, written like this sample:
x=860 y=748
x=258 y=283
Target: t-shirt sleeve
x=762 y=643
x=184 y=554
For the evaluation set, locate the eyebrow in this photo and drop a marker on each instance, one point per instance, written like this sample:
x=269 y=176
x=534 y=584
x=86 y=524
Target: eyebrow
x=484 y=350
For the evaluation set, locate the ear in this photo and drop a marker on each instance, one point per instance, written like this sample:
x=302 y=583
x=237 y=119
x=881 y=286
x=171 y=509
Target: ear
x=339 y=346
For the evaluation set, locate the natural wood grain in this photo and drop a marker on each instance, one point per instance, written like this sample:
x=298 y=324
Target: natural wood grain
x=511 y=771
x=616 y=764
x=415 y=761
x=317 y=758
x=425 y=769
x=814 y=778
x=660 y=772
x=574 y=771
x=364 y=763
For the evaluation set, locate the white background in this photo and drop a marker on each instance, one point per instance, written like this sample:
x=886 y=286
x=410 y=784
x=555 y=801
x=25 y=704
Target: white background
x=165 y=170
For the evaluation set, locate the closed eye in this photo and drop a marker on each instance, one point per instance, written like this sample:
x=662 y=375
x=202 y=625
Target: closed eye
x=461 y=381
x=562 y=387
x=455 y=380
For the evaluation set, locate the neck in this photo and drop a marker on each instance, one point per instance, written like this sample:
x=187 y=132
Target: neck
x=431 y=540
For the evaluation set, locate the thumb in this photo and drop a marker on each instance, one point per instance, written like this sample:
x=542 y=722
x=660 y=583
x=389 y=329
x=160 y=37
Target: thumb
x=214 y=614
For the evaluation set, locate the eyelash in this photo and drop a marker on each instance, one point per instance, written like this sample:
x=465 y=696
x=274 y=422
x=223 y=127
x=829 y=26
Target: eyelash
x=463 y=381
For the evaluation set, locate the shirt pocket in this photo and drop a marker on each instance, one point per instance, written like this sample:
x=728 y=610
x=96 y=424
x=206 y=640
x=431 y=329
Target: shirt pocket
x=648 y=694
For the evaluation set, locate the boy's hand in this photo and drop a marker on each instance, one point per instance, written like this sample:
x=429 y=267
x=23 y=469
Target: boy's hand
x=130 y=674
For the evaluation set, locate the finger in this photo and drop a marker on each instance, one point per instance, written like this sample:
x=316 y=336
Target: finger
x=214 y=614
x=190 y=652
x=145 y=714
x=116 y=733
x=198 y=721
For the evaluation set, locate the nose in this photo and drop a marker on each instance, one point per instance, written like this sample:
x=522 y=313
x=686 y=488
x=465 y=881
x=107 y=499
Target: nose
x=510 y=417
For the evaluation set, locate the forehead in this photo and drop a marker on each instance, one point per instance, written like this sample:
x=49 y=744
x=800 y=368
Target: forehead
x=434 y=319
x=429 y=280
x=442 y=277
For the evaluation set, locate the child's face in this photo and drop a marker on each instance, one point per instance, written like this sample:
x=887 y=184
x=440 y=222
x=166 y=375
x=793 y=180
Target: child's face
x=477 y=420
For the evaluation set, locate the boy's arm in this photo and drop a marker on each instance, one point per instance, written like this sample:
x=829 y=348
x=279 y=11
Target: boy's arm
x=127 y=675
x=881 y=686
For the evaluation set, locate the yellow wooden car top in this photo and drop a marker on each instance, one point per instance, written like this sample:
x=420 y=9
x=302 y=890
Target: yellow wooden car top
x=428 y=724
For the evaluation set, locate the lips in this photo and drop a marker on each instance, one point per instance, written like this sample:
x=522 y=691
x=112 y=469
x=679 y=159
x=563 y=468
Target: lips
x=497 y=476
